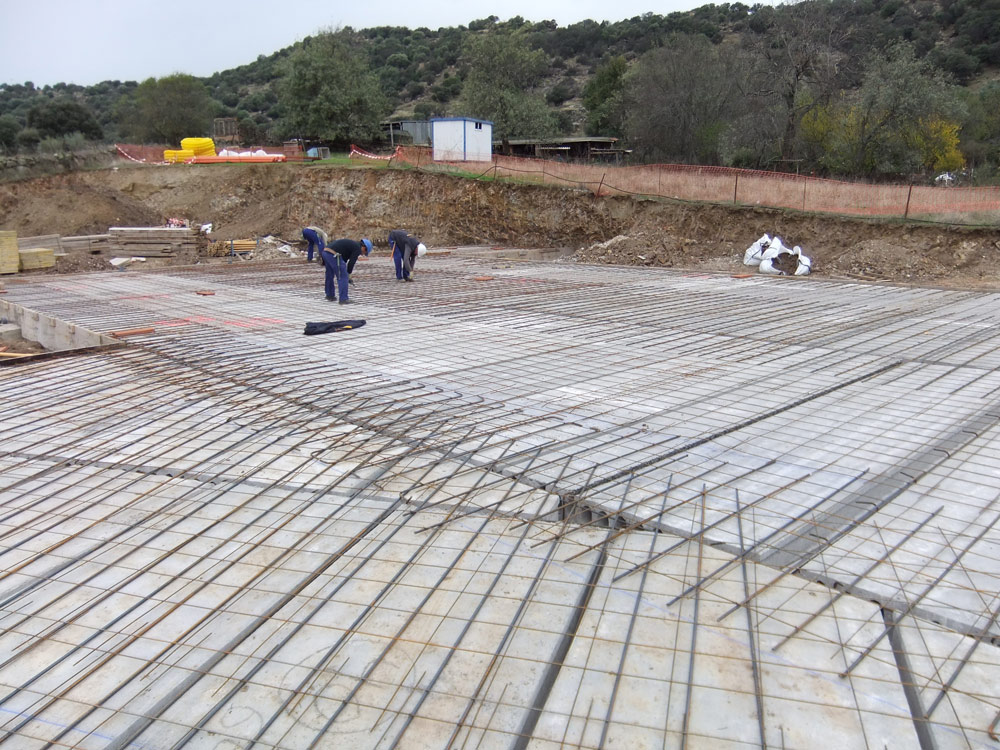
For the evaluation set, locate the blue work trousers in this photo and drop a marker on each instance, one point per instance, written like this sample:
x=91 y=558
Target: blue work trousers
x=336 y=274
x=397 y=260
x=315 y=241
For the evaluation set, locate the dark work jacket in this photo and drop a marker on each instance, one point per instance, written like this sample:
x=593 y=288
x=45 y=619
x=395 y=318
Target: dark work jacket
x=398 y=238
x=348 y=250
x=406 y=243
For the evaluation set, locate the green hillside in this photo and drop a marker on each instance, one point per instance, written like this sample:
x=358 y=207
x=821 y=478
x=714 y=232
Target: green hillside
x=864 y=88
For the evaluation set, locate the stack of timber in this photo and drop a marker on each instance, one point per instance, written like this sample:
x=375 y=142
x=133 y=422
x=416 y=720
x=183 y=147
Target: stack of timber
x=95 y=244
x=9 y=259
x=153 y=242
x=33 y=258
x=232 y=247
x=50 y=241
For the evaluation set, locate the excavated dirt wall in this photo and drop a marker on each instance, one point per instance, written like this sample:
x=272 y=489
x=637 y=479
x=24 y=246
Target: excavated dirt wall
x=278 y=199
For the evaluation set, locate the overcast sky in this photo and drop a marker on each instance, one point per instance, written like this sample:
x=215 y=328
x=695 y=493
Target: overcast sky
x=88 y=41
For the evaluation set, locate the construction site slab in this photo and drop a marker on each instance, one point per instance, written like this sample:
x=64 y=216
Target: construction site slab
x=576 y=506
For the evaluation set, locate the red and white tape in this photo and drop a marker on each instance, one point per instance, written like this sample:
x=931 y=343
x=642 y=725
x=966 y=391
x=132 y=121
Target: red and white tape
x=129 y=156
x=355 y=151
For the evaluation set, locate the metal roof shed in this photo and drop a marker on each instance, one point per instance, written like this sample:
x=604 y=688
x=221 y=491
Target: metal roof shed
x=461 y=139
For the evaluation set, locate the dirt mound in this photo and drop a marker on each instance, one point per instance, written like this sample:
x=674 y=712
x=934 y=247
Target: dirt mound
x=70 y=205
x=255 y=200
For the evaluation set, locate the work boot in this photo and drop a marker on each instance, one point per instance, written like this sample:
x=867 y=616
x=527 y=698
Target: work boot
x=331 y=299
x=408 y=278
x=346 y=302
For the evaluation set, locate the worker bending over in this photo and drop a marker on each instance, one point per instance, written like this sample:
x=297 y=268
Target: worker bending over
x=339 y=259
x=405 y=250
x=317 y=239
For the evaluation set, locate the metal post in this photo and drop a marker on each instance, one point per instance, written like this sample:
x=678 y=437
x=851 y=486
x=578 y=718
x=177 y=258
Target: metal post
x=736 y=187
x=906 y=213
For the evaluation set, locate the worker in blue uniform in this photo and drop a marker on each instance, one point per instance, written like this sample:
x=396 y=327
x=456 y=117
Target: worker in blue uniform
x=405 y=248
x=339 y=259
x=317 y=240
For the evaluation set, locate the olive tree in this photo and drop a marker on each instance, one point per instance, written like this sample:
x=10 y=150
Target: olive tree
x=680 y=98
x=9 y=128
x=604 y=98
x=789 y=66
x=903 y=119
x=63 y=116
x=503 y=85
x=330 y=92
x=166 y=110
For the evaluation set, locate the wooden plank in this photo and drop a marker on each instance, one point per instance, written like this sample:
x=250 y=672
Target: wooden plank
x=132 y=332
x=43 y=240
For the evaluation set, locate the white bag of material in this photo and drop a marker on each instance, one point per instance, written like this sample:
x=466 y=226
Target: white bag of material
x=754 y=253
x=805 y=262
x=767 y=266
x=773 y=250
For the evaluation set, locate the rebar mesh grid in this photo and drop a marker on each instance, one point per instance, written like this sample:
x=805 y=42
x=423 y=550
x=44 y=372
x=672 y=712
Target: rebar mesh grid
x=569 y=506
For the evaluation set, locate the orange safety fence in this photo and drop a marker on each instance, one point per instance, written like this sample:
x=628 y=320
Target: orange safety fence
x=972 y=205
x=724 y=185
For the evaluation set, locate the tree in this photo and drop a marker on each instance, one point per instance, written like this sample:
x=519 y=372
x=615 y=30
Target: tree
x=28 y=139
x=329 y=91
x=502 y=85
x=167 y=110
x=903 y=119
x=680 y=98
x=604 y=98
x=981 y=131
x=9 y=128
x=793 y=65
x=58 y=117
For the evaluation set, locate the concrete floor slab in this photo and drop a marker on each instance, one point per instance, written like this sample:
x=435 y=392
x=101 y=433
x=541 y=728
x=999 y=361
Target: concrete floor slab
x=576 y=506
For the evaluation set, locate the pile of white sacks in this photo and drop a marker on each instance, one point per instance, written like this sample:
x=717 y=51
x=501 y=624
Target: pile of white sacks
x=764 y=251
x=230 y=152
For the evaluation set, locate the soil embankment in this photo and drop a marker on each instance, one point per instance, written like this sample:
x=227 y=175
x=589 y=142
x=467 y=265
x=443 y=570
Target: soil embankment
x=256 y=200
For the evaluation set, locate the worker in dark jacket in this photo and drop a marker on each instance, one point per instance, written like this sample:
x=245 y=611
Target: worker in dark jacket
x=317 y=239
x=405 y=249
x=339 y=259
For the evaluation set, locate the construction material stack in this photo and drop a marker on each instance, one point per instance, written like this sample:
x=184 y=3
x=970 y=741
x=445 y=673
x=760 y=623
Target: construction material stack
x=34 y=258
x=9 y=259
x=153 y=242
x=199 y=146
x=232 y=247
x=94 y=244
x=175 y=156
